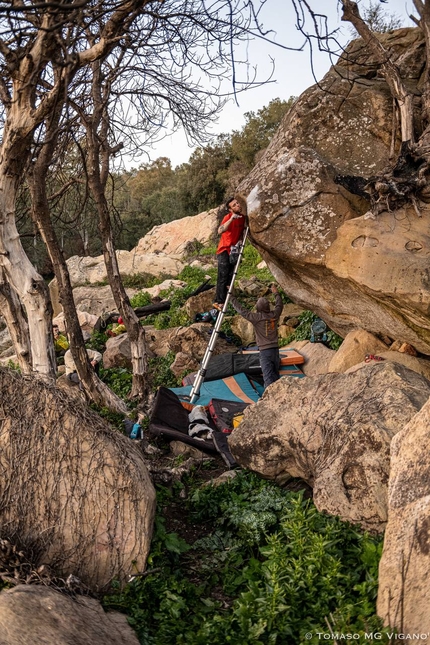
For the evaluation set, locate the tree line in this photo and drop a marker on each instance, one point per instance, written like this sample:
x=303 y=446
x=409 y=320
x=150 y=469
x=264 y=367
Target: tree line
x=153 y=193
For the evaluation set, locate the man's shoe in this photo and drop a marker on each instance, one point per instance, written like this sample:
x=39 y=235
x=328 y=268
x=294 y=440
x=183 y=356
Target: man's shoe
x=218 y=305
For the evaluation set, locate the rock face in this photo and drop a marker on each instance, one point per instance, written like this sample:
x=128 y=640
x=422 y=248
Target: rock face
x=354 y=349
x=317 y=358
x=352 y=271
x=32 y=614
x=93 y=270
x=333 y=431
x=79 y=490
x=176 y=238
x=404 y=583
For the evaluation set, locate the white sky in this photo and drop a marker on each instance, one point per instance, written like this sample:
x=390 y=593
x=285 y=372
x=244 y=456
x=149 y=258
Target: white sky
x=292 y=73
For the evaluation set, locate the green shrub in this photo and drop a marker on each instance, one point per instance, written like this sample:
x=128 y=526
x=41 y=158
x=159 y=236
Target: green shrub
x=119 y=379
x=142 y=280
x=141 y=299
x=97 y=341
x=160 y=372
x=269 y=570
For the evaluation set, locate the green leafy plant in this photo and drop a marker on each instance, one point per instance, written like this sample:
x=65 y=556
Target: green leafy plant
x=160 y=372
x=142 y=280
x=97 y=341
x=119 y=379
x=141 y=299
x=268 y=569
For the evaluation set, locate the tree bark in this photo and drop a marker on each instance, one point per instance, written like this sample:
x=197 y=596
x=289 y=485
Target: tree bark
x=22 y=276
x=13 y=314
x=98 y=154
x=95 y=389
x=388 y=68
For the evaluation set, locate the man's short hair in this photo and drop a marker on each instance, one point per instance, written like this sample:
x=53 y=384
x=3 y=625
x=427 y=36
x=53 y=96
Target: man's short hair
x=228 y=202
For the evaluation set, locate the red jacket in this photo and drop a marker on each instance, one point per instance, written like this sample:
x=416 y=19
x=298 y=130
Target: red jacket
x=232 y=235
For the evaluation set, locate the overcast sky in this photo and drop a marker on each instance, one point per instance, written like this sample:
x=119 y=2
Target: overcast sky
x=293 y=72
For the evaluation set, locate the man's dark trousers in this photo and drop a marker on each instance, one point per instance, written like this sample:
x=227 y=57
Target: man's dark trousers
x=269 y=361
x=225 y=274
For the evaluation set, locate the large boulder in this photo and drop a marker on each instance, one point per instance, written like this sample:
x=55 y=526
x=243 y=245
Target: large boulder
x=194 y=339
x=177 y=238
x=352 y=271
x=73 y=488
x=117 y=352
x=317 y=358
x=199 y=303
x=354 y=349
x=90 y=270
x=404 y=581
x=333 y=431
x=32 y=614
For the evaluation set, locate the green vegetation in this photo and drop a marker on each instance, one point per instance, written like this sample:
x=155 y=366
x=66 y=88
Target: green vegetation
x=266 y=568
x=160 y=372
x=303 y=332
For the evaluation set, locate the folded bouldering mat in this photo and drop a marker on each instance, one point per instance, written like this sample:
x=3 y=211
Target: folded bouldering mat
x=224 y=365
x=170 y=421
x=288 y=356
x=232 y=388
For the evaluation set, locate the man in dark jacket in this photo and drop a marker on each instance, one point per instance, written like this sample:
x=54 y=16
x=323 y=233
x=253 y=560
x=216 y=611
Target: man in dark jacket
x=265 y=323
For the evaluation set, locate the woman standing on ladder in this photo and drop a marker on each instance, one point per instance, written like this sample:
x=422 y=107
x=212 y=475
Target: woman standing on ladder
x=231 y=231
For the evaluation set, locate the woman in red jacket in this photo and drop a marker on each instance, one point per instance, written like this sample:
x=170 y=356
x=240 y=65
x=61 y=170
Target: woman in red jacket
x=231 y=231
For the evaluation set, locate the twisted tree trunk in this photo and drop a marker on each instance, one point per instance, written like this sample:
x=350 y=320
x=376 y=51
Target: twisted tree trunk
x=13 y=313
x=95 y=389
x=98 y=156
x=405 y=181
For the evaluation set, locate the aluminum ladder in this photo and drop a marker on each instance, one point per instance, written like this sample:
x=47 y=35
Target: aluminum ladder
x=200 y=376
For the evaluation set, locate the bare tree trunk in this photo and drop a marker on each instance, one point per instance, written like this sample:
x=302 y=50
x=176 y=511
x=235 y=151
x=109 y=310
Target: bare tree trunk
x=99 y=152
x=23 y=278
x=13 y=314
x=405 y=181
x=388 y=68
x=96 y=390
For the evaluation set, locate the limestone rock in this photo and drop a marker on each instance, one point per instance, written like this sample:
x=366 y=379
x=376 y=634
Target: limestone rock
x=200 y=303
x=290 y=310
x=80 y=490
x=174 y=238
x=404 y=348
x=179 y=448
x=418 y=365
x=224 y=478
x=158 y=339
x=244 y=329
x=317 y=358
x=285 y=330
x=351 y=271
x=333 y=431
x=94 y=300
x=194 y=339
x=163 y=286
x=5 y=341
x=87 y=321
x=32 y=614
x=354 y=349
x=118 y=352
x=184 y=363
x=252 y=287
x=404 y=582
x=92 y=270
